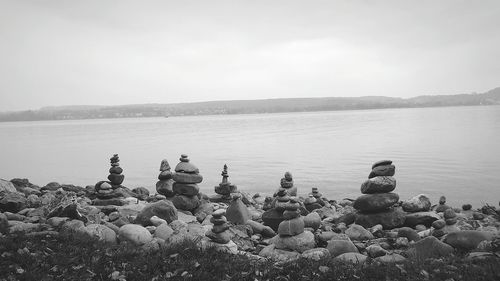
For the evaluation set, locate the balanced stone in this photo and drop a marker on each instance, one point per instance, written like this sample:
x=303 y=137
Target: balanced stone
x=220 y=228
x=188 y=189
x=381 y=163
x=442 y=205
x=218 y=221
x=289 y=214
x=181 y=177
x=165 y=175
x=185 y=167
x=389 y=219
x=165 y=184
x=291 y=227
x=386 y=170
x=225 y=187
x=371 y=203
x=379 y=184
x=221 y=238
x=115 y=176
x=287 y=183
x=218 y=213
x=116 y=179
x=115 y=170
x=419 y=203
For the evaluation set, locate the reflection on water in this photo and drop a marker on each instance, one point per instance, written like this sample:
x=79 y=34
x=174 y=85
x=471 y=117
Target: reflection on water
x=451 y=151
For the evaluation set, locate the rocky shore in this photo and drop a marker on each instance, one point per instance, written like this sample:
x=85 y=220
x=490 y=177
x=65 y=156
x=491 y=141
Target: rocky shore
x=287 y=225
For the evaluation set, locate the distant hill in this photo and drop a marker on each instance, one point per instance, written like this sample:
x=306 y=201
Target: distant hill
x=249 y=106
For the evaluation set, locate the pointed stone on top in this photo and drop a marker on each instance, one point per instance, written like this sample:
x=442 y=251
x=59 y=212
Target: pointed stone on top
x=164 y=166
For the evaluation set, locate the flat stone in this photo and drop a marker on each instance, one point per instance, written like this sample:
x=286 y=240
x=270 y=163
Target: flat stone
x=261 y=229
x=181 y=177
x=377 y=202
x=467 y=239
x=381 y=163
x=391 y=259
x=225 y=189
x=109 y=202
x=389 y=219
x=188 y=189
x=163 y=209
x=379 y=184
x=271 y=252
x=425 y=218
x=291 y=227
x=299 y=243
x=419 y=203
x=220 y=228
x=385 y=170
x=229 y=247
x=288 y=215
x=218 y=221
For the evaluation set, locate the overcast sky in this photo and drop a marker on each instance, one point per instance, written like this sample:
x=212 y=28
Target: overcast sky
x=125 y=52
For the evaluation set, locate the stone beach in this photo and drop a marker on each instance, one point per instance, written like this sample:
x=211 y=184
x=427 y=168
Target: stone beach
x=286 y=225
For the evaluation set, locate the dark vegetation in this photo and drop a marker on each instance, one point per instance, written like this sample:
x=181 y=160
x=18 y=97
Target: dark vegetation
x=64 y=258
x=250 y=106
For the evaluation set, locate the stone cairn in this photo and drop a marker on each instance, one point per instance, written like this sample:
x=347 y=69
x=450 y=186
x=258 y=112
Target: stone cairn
x=441 y=207
x=225 y=188
x=220 y=231
x=375 y=206
x=293 y=223
x=314 y=201
x=106 y=189
x=287 y=183
x=186 y=179
x=164 y=186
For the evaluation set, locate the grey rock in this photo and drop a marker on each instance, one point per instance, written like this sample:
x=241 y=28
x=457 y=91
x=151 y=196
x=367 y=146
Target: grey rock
x=371 y=203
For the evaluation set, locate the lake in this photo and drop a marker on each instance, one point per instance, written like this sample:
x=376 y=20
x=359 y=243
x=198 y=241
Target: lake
x=451 y=151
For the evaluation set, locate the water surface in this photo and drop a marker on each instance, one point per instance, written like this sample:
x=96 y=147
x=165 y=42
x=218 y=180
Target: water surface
x=452 y=151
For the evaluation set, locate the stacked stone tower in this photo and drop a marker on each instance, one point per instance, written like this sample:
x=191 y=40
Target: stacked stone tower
x=106 y=189
x=375 y=206
x=225 y=188
x=164 y=186
x=220 y=231
x=287 y=183
x=186 y=179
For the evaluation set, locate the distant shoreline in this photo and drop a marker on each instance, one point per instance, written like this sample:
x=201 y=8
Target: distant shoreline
x=235 y=107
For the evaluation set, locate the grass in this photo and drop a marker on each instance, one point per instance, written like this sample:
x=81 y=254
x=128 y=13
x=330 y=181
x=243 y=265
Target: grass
x=64 y=258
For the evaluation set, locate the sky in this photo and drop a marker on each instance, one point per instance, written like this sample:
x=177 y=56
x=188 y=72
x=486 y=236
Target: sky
x=99 y=52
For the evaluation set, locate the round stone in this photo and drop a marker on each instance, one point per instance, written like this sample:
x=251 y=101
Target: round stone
x=285 y=198
x=164 y=166
x=219 y=213
x=186 y=203
x=116 y=179
x=184 y=158
x=291 y=206
x=449 y=214
x=288 y=176
x=221 y=238
x=438 y=224
x=187 y=178
x=115 y=170
x=386 y=170
x=105 y=186
x=164 y=187
x=186 y=167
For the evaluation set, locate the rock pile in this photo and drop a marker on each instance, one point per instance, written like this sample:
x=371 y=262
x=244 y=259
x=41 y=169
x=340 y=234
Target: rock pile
x=220 y=236
x=225 y=188
x=112 y=189
x=186 y=179
x=164 y=186
x=314 y=201
x=291 y=234
x=376 y=205
x=287 y=183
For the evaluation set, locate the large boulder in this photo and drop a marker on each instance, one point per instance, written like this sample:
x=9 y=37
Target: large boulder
x=299 y=243
x=419 y=203
x=429 y=247
x=277 y=254
x=12 y=202
x=187 y=203
x=163 y=209
x=7 y=186
x=378 y=185
x=424 y=218
x=357 y=232
x=371 y=203
x=134 y=233
x=467 y=239
x=389 y=219
x=341 y=244
x=237 y=212
x=312 y=220
x=272 y=218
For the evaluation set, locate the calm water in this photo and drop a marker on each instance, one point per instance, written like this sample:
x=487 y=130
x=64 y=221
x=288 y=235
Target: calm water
x=438 y=151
